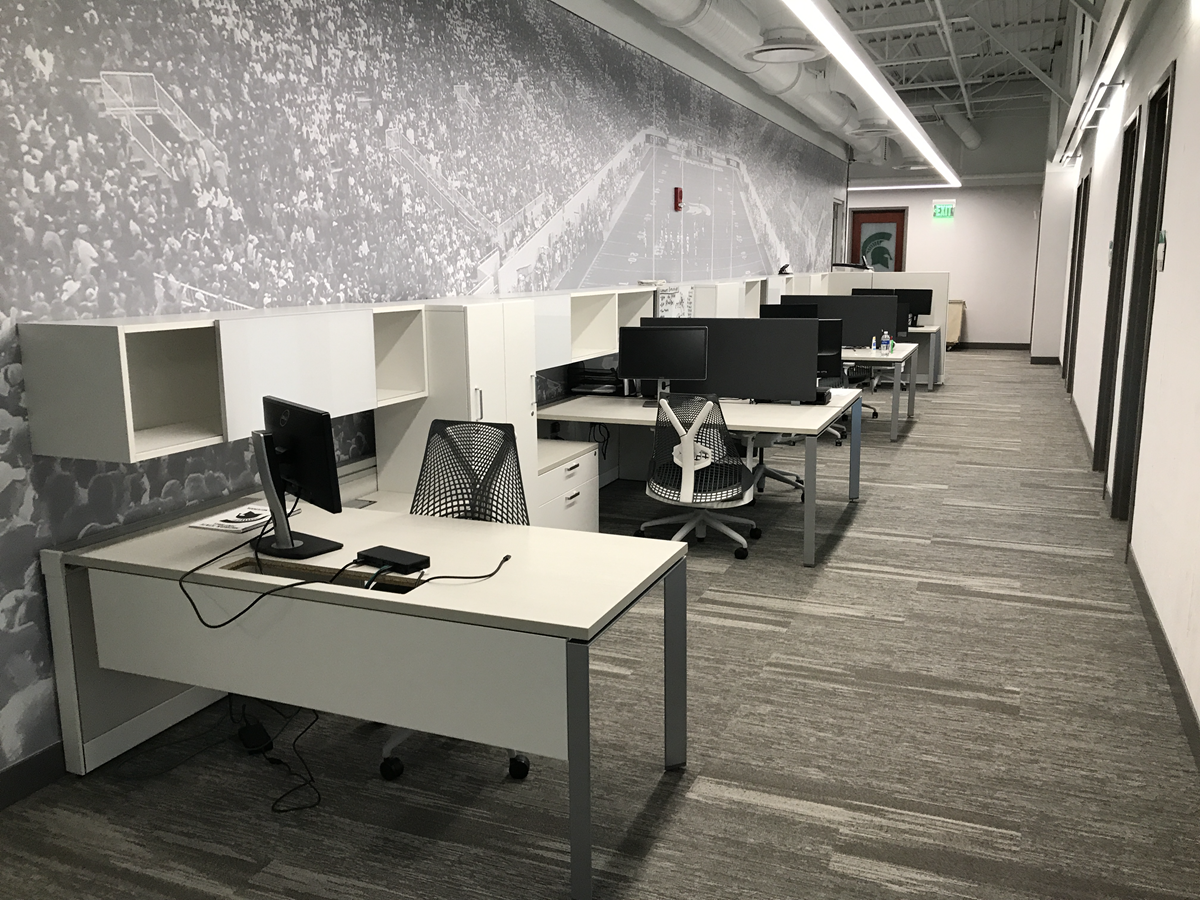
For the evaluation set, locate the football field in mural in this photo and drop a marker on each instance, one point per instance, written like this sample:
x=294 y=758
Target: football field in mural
x=711 y=238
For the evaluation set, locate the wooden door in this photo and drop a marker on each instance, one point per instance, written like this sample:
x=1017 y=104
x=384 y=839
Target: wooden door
x=878 y=235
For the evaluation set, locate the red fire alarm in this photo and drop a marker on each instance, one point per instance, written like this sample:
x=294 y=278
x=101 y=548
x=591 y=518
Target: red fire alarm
x=678 y=199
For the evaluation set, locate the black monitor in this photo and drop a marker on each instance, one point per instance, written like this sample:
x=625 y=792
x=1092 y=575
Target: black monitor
x=295 y=455
x=829 y=348
x=863 y=316
x=789 y=311
x=663 y=354
x=919 y=300
x=755 y=359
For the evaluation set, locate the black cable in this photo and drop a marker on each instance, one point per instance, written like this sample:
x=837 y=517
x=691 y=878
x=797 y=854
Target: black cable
x=307 y=780
x=254 y=602
x=386 y=567
x=423 y=580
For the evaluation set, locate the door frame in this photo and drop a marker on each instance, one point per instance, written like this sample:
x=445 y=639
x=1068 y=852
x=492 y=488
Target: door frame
x=1123 y=225
x=1083 y=197
x=896 y=213
x=1139 y=321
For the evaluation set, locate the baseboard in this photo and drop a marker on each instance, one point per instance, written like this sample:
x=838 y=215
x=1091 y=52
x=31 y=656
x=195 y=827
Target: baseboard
x=21 y=779
x=1166 y=656
x=1043 y=361
x=988 y=345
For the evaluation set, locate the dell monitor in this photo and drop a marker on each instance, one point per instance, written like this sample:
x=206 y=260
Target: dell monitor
x=295 y=455
x=919 y=300
x=863 y=317
x=662 y=354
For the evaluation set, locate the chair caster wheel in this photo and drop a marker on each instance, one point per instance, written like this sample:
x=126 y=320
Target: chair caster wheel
x=699 y=540
x=639 y=533
x=755 y=533
x=741 y=553
x=518 y=767
x=838 y=442
x=391 y=768
x=874 y=414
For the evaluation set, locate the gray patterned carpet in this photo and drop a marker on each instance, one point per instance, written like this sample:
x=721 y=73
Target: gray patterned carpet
x=962 y=700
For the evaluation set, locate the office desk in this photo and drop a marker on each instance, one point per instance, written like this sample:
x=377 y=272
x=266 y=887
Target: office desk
x=929 y=338
x=877 y=359
x=443 y=658
x=743 y=418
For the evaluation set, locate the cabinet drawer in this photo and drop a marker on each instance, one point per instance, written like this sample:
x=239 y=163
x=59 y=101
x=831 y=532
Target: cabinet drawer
x=578 y=509
x=564 y=478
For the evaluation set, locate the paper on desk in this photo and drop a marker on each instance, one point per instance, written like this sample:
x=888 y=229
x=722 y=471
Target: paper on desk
x=237 y=521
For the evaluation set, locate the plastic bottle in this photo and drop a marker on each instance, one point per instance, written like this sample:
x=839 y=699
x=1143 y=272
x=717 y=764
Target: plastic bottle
x=872 y=342
x=885 y=343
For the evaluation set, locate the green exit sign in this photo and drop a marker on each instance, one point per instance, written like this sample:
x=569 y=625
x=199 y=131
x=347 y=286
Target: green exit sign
x=943 y=209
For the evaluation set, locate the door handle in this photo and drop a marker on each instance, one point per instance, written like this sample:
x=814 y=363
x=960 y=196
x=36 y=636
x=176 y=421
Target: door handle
x=571 y=496
x=479 y=400
x=533 y=393
x=571 y=468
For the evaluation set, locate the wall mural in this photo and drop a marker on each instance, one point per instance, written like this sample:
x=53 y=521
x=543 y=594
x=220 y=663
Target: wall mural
x=171 y=156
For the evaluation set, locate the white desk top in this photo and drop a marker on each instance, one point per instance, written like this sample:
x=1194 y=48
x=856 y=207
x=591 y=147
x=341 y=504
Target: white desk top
x=567 y=584
x=781 y=418
x=866 y=355
x=924 y=329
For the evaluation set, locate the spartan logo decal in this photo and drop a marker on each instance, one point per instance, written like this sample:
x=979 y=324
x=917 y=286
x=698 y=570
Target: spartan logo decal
x=877 y=248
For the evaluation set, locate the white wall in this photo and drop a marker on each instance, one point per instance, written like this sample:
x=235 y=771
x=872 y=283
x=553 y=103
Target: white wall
x=989 y=249
x=1166 y=525
x=1054 y=250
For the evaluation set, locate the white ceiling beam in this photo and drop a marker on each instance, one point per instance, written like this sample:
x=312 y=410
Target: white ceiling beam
x=1024 y=60
x=1090 y=8
x=955 y=63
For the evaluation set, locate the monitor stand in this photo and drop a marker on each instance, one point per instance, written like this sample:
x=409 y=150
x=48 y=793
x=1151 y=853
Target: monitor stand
x=663 y=387
x=283 y=543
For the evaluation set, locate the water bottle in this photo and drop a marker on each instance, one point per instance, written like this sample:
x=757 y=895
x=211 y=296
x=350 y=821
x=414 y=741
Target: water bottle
x=872 y=342
x=885 y=343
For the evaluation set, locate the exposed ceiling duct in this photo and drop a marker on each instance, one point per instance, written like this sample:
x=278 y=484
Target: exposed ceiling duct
x=960 y=125
x=737 y=35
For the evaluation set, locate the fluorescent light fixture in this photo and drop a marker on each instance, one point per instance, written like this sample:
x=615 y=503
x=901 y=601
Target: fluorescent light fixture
x=904 y=187
x=819 y=18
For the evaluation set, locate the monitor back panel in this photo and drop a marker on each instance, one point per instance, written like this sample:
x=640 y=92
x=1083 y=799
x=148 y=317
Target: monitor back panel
x=756 y=359
x=863 y=317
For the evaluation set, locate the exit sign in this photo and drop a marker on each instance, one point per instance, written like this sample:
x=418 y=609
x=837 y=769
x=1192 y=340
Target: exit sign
x=943 y=209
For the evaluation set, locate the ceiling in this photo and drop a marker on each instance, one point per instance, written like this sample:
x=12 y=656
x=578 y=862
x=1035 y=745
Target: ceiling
x=954 y=51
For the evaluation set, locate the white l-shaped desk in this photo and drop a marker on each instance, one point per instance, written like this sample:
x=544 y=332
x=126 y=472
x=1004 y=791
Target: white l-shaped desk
x=807 y=421
x=442 y=658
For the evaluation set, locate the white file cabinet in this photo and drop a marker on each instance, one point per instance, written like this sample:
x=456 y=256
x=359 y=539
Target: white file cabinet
x=567 y=494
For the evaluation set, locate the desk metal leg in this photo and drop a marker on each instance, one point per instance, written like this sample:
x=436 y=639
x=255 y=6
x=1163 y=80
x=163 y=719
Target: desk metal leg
x=579 y=766
x=810 y=500
x=855 y=445
x=912 y=386
x=933 y=363
x=675 y=667
x=896 y=369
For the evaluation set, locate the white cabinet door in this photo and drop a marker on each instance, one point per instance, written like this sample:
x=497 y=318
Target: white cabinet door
x=486 y=376
x=323 y=360
x=521 y=386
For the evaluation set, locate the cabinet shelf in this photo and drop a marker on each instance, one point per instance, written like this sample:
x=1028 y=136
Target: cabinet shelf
x=400 y=355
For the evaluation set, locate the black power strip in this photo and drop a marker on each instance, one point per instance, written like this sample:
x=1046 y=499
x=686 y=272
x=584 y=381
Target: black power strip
x=399 y=561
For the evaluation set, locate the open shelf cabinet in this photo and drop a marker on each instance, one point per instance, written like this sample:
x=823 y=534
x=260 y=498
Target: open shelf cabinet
x=401 y=372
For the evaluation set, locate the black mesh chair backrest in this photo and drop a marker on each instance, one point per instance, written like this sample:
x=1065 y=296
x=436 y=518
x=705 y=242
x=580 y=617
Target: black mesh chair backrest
x=471 y=471
x=726 y=477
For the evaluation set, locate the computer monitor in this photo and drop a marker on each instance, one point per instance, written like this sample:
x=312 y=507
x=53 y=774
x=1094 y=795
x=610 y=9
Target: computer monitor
x=919 y=300
x=863 y=316
x=755 y=359
x=829 y=348
x=663 y=354
x=295 y=455
x=789 y=311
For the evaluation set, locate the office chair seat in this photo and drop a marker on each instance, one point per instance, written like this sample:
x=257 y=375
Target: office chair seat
x=696 y=465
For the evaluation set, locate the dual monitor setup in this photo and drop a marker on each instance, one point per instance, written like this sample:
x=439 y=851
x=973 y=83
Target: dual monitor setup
x=865 y=314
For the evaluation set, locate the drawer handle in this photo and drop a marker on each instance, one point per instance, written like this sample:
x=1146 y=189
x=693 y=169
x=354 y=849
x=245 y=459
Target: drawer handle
x=571 y=496
x=571 y=468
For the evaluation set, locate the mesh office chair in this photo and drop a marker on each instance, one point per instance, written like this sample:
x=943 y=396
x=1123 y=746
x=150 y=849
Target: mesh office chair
x=696 y=464
x=470 y=471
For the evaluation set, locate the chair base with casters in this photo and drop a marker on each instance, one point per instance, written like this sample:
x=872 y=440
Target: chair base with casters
x=699 y=520
x=391 y=766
